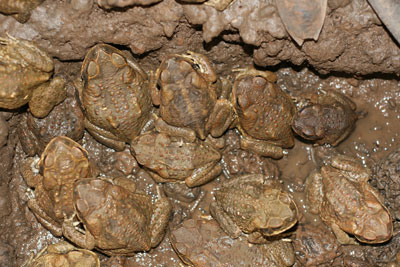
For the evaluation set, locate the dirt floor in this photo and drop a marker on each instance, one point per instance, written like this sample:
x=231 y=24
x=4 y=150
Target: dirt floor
x=354 y=55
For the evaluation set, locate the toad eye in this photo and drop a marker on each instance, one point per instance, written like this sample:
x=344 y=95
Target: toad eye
x=196 y=67
x=242 y=101
x=92 y=69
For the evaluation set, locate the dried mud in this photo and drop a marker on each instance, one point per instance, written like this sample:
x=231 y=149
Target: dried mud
x=354 y=55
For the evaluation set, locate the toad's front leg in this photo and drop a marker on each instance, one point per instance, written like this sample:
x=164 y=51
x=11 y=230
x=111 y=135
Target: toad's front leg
x=263 y=148
x=84 y=240
x=203 y=174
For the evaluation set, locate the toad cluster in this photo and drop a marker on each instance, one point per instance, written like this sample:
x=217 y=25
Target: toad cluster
x=171 y=121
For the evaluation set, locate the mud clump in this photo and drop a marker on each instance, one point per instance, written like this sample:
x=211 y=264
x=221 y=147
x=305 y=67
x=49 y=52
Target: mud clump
x=352 y=40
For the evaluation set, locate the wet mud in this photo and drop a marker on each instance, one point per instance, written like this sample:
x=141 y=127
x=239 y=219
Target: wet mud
x=354 y=55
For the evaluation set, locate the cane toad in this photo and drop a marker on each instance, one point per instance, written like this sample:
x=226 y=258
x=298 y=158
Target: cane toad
x=66 y=119
x=19 y=9
x=117 y=220
x=327 y=118
x=172 y=159
x=62 y=162
x=255 y=206
x=64 y=254
x=24 y=73
x=191 y=96
x=264 y=113
x=340 y=193
x=115 y=96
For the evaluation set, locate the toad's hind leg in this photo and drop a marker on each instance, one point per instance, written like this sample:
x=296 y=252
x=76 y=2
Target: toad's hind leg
x=44 y=219
x=104 y=137
x=224 y=221
x=203 y=174
x=221 y=118
x=159 y=220
x=186 y=133
x=342 y=236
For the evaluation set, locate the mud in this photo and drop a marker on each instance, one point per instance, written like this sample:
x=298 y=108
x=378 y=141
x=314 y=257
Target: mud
x=354 y=55
x=353 y=40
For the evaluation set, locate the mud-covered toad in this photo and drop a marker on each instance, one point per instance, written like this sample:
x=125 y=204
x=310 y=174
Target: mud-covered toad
x=64 y=254
x=174 y=159
x=66 y=119
x=115 y=96
x=328 y=117
x=341 y=195
x=25 y=70
x=315 y=244
x=19 y=9
x=201 y=242
x=253 y=205
x=192 y=99
x=117 y=219
x=62 y=163
x=264 y=113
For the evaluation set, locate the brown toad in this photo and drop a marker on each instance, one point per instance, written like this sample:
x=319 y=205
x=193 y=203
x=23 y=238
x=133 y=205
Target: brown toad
x=327 y=118
x=115 y=96
x=172 y=159
x=201 y=242
x=117 y=220
x=191 y=97
x=264 y=113
x=66 y=119
x=253 y=205
x=19 y=9
x=62 y=162
x=340 y=193
x=24 y=73
x=64 y=254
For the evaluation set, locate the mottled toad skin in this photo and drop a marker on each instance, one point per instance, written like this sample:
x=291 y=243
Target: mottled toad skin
x=117 y=220
x=24 y=73
x=115 y=96
x=173 y=159
x=264 y=113
x=327 y=118
x=341 y=195
x=66 y=119
x=64 y=254
x=191 y=96
x=19 y=9
x=255 y=206
x=62 y=163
